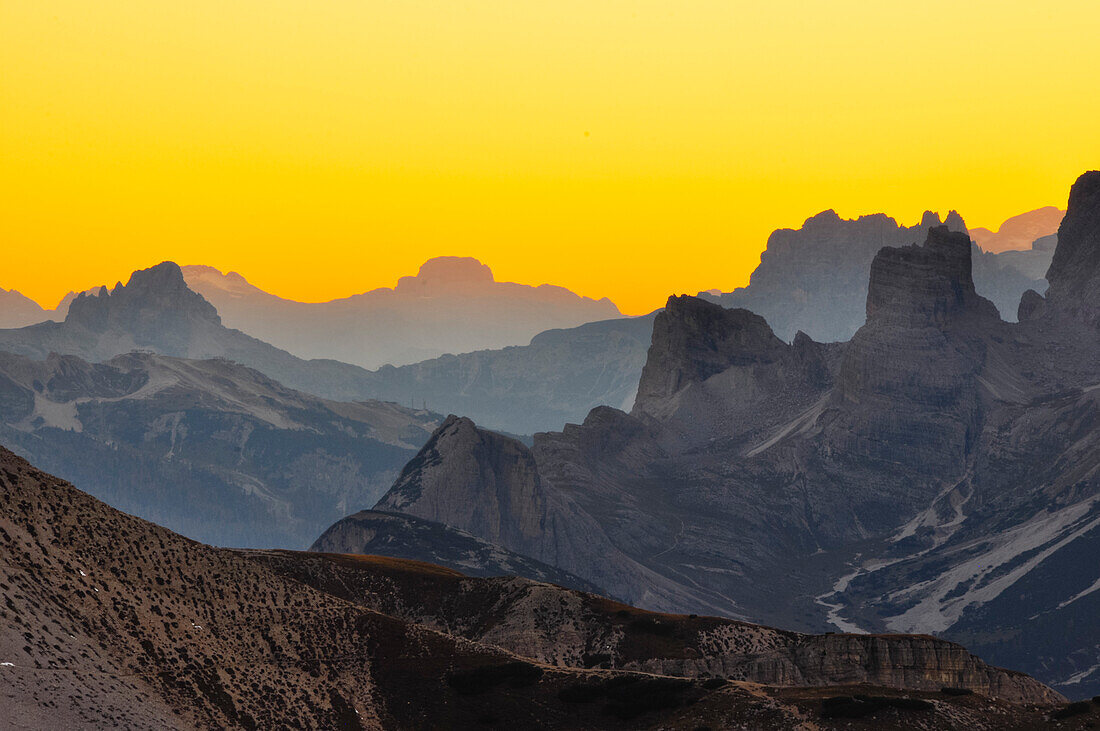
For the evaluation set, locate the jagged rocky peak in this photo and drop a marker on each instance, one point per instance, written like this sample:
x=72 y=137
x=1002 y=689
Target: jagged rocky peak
x=954 y=222
x=1074 y=273
x=158 y=294
x=475 y=480
x=694 y=339
x=925 y=285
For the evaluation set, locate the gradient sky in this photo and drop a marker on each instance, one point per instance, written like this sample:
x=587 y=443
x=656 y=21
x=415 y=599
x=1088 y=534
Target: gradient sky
x=626 y=149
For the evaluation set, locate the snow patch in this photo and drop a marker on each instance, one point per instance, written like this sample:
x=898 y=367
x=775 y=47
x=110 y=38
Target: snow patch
x=55 y=414
x=833 y=615
x=935 y=613
x=1086 y=592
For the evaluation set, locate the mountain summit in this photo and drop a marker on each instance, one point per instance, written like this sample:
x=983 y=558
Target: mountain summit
x=452 y=305
x=152 y=302
x=446 y=272
x=1074 y=273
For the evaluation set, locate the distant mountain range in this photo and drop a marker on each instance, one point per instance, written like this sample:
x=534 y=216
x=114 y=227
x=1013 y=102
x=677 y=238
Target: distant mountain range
x=938 y=472
x=209 y=448
x=17 y=310
x=1019 y=231
x=557 y=378
x=453 y=305
x=814 y=279
x=109 y=620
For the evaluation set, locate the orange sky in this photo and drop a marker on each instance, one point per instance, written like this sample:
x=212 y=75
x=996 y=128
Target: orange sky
x=627 y=149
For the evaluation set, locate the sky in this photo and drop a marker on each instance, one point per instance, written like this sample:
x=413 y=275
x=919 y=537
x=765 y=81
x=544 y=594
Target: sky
x=622 y=149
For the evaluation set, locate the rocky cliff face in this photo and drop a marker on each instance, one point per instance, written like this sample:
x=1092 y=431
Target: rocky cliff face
x=931 y=466
x=814 y=279
x=925 y=285
x=714 y=371
x=484 y=482
x=908 y=387
x=573 y=629
x=1074 y=273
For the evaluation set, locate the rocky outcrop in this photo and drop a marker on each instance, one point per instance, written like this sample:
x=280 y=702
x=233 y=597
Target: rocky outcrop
x=924 y=285
x=694 y=340
x=572 y=629
x=908 y=389
x=153 y=299
x=714 y=371
x=1031 y=305
x=814 y=278
x=1074 y=273
x=477 y=480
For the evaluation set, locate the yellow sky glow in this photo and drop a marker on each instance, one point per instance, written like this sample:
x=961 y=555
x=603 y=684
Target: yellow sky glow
x=627 y=149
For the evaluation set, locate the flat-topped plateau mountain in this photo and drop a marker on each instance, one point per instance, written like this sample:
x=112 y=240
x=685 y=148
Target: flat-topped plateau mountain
x=452 y=305
x=110 y=620
x=1019 y=231
x=938 y=472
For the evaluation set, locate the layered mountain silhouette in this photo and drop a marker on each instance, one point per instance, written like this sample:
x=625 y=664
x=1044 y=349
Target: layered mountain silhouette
x=558 y=377
x=452 y=305
x=1019 y=231
x=940 y=467
x=17 y=310
x=814 y=279
x=110 y=620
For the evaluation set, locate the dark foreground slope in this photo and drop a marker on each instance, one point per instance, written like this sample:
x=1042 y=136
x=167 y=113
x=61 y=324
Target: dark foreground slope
x=108 y=620
x=371 y=532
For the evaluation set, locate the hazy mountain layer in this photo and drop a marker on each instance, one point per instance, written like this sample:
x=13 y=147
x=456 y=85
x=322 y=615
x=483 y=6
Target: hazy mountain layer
x=1019 y=231
x=815 y=279
x=17 y=310
x=558 y=378
x=110 y=620
x=939 y=467
x=212 y=449
x=453 y=305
